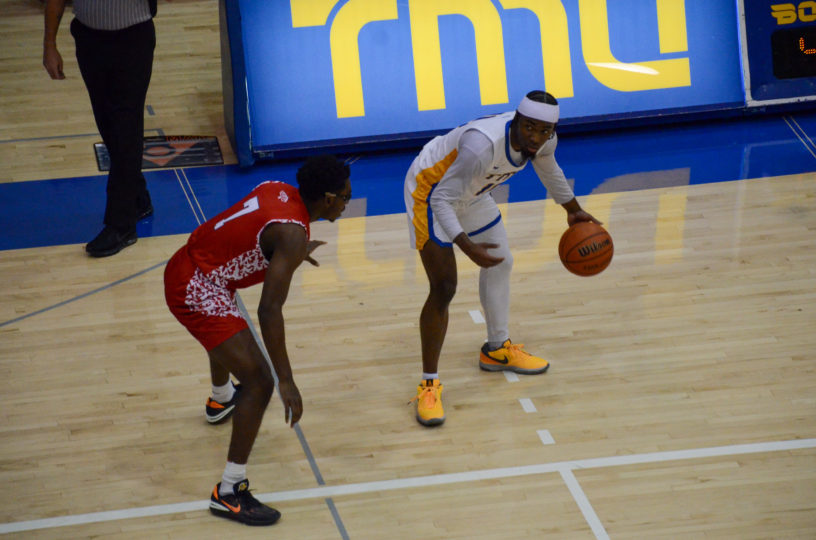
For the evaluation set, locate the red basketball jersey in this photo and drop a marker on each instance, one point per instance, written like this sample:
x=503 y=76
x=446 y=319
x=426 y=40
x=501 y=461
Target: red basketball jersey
x=226 y=248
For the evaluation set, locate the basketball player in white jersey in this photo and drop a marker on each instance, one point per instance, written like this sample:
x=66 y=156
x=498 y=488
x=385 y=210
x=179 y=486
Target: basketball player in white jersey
x=448 y=201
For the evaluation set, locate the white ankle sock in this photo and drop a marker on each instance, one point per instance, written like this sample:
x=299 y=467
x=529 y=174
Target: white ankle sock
x=233 y=473
x=429 y=376
x=224 y=393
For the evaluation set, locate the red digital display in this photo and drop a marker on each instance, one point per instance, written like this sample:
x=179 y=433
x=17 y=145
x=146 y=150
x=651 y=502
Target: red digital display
x=794 y=52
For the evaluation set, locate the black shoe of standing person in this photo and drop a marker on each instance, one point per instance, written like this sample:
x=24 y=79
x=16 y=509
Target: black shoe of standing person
x=146 y=212
x=111 y=241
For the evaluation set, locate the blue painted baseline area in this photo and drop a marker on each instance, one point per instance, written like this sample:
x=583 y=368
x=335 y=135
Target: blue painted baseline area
x=69 y=211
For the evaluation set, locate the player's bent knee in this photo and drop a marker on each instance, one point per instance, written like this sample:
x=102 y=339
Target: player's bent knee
x=443 y=291
x=266 y=383
x=259 y=380
x=505 y=266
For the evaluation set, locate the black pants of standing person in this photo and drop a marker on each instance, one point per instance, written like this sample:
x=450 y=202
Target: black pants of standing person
x=116 y=67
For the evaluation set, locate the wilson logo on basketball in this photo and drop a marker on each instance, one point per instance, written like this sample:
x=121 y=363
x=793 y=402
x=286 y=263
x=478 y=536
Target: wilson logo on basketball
x=583 y=251
x=585 y=248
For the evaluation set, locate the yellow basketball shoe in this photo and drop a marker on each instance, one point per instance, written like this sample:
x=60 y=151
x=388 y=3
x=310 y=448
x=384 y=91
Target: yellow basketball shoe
x=429 y=403
x=511 y=357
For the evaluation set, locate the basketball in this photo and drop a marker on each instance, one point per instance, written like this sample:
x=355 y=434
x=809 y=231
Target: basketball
x=585 y=248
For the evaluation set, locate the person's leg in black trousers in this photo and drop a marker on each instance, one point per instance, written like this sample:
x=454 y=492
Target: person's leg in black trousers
x=116 y=67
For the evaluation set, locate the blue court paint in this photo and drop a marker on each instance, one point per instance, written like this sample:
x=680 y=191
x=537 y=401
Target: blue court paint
x=69 y=211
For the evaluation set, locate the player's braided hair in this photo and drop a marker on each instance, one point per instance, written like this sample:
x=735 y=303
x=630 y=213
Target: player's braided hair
x=542 y=97
x=320 y=174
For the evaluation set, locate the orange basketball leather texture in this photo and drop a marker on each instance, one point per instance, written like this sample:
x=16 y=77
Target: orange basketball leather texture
x=585 y=249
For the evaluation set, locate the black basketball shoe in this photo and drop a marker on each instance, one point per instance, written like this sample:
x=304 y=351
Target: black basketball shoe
x=242 y=506
x=219 y=412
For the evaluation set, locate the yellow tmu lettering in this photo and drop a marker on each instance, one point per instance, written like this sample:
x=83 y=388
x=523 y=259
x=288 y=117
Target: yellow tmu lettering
x=310 y=12
x=632 y=77
x=428 y=57
x=345 y=51
x=555 y=50
x=671 y=26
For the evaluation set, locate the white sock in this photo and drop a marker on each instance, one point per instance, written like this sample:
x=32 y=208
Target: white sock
x=224 y=393
x=426 y=376
x=233 y=473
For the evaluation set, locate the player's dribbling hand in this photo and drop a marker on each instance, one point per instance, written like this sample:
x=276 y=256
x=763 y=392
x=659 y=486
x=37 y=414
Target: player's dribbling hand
x=581 y=215
x=292 y=404
x=313 y=245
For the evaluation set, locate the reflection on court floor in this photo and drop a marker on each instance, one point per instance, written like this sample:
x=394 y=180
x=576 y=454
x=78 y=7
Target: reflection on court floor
x=615 y=161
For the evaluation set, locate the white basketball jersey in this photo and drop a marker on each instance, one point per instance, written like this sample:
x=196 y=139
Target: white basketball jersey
x=429 y=168
x=440 y=152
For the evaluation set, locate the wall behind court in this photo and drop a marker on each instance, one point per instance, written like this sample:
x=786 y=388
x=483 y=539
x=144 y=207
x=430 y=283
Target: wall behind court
x=367 y=74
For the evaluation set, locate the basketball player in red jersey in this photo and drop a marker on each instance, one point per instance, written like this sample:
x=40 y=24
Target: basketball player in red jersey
x=264 y=237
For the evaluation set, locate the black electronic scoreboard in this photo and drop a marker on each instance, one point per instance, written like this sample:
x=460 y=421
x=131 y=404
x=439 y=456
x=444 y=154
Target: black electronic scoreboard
x=794 y=52
x=780 y=42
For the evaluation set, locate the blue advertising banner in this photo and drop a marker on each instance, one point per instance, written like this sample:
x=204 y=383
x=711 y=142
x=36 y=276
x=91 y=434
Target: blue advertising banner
x=781 y=47
x=331 y=72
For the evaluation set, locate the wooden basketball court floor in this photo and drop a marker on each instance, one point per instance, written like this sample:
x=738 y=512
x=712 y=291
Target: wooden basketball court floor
x=680 y=402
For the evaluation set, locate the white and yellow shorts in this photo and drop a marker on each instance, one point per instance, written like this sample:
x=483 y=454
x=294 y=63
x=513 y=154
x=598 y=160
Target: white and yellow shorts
x=479 y=215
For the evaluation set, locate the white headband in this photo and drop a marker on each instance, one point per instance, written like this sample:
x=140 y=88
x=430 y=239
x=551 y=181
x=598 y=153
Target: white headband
x=536 y=110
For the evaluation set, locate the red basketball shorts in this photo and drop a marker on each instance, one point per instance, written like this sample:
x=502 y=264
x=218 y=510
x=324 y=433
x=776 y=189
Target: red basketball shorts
x=206 y=310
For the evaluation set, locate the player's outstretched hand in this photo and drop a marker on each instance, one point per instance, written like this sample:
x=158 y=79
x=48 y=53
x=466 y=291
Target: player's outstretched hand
x=292 y=404
x=313 y=245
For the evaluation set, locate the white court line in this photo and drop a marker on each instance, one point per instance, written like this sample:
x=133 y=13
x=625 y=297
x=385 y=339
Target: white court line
x=98 y=517
x=423 y=481
x=583 y=503
x=803 y=136
x=193 y=195
x=545 y=436
x=527 y=405
x=184 y=190
x=510 y=376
